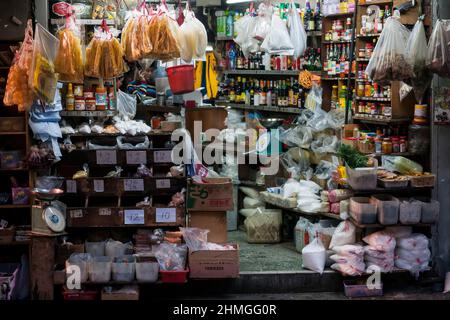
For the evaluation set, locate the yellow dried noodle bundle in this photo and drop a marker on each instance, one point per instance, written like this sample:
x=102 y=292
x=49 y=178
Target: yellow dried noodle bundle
x=104 y=58
x=69 y=58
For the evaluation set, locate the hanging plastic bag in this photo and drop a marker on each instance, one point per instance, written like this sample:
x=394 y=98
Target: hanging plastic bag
x=438 y=55
x=245 y=27
x=278 y=40
x=17 y=90
x=417 y=54
x=193 y=37
x=389 y=62
x=297 y=32
x=262 y=25
x=104 y=55
x=126 y=105
x=69 y=58
x=43 y=77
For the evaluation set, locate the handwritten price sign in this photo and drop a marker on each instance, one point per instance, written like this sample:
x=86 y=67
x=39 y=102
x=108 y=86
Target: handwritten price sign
x=71 y=186
x=133 y=185
x=162 y=156
x=106 y=156
x=134 y=216
x=163 y=184
x=166 y=215
x=99 y=186
x=136 y=157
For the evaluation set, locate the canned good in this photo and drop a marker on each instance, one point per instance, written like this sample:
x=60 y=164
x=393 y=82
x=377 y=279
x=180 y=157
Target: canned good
x=90 y=104
x=80 y=104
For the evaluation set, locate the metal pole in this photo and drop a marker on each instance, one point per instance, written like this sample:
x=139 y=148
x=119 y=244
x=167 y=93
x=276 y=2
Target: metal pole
x=351 y=59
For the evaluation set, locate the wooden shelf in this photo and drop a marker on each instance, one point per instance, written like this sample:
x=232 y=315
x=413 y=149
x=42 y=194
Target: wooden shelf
x=16 y=243
x=260 y=108
x=13 y=133
x=375 y=2
x=378 y=225
x=86 y=22
x=373 y=99
x=371 y=35
x=337 y=42
x=106 y=113
x=391 y=191
x=338 y=15
x=263 y=72
x=14 y=206
x=381 y=121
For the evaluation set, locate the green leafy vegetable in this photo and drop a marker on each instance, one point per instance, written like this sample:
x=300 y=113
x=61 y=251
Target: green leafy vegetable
x=352 y=156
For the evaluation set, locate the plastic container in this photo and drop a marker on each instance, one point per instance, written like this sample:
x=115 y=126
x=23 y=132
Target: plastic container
x=124 y=269
x=362 y=210
x=10 y=159
x=410 y=211
x=99 y=269
x=430 y=211
x=423 y=181
x=387 y=208
x=117 y=249
x=362 y=178
x=359 y=289
x=147 y=269
x=181 y=78
x=95 y=249
x=174 y=276
x=81 y=260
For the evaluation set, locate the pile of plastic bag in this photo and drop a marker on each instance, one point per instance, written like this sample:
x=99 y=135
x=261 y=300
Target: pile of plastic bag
x=380 y=252
x=413 y=253
x=349 y=259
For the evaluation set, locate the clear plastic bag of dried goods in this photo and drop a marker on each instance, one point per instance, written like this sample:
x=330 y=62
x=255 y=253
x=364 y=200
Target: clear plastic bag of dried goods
x=17 y=91
x=388 y=62
x=416 y=51
x=42 y=76
x=438 y=56
x=69 y=57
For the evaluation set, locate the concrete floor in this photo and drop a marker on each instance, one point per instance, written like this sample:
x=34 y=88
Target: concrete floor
x=266 y=257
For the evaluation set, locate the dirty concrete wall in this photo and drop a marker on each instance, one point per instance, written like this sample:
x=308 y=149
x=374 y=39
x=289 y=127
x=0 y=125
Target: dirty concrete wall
x=441 y=165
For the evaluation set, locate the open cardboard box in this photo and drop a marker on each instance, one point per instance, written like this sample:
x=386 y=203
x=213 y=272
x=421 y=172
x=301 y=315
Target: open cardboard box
x=214 y=264
x=216 y=194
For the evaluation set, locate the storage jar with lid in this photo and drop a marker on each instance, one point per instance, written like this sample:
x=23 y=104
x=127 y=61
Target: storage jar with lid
x=387 y=146
x=101 y=98
x=90 y=104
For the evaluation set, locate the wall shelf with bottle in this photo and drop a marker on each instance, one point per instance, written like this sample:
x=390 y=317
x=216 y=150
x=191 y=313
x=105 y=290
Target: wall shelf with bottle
x=260 y=108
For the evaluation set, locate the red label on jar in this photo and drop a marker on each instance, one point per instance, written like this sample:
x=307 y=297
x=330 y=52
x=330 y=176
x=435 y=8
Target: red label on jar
x=61 y=9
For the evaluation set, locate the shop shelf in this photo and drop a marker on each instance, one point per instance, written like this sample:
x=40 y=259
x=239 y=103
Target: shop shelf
x=223 y=38
x=14 y=170
x=260 y=108
x=378 y=225
x=14 y=206
x=397 y=190
x=371 y=35
x=362 y=60
x=381 y=121
x=338 y=15
x=96 y=135
x=13 y=133
x=337 y=42
x=263 y=72
x=16 y=243
x=373 y=99
x=155 y=108
x=107 y=113
x=374 y=2
x=87 y=22
x=336 y=78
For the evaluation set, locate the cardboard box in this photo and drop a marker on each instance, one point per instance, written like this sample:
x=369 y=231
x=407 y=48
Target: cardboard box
x=215 y=222
x=123 y=293
x=214 y=195
x=209 y=264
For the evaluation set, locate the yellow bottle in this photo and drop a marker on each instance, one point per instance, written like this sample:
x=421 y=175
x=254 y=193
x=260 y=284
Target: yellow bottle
x=70 y=98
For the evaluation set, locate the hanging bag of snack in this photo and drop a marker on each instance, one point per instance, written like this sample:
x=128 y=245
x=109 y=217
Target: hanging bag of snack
x=69 y=58
x=104 y=55
x=17 y=91
x=43 y=78
x=438 y=55
x=193 y=38
x=278 y=40
x=417 y=54
x=388 y=61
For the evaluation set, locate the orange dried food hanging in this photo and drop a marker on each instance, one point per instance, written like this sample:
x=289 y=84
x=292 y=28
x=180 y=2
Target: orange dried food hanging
x=69 y=57
x=165 y=46
x=127 y=38
x=17 y=91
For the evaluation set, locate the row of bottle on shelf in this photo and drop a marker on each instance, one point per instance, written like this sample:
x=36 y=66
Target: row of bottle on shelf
x=226 y=19
x=380 y=142
x=374 y=110
x=234 y=59
x=371 y=24
x=368 y=89
x=337 y=60
x=281 y=93
x=98 y=98
x=338 y=32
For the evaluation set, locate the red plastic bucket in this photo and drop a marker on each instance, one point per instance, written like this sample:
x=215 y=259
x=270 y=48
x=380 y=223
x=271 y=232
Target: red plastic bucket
x=181 y=78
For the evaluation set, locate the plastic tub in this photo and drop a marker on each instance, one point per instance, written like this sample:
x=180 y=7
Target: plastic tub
x=95 y=249
x=118 y=249
x=100 y=269
x=359 y=289
x=410 y=211
x=124 y=269
x=174 y=276
x=430 y=211
x=181 y=78
x=362 y=178
x=81 y=260
x=387 y=208
x=362 y=210
x=147 y=271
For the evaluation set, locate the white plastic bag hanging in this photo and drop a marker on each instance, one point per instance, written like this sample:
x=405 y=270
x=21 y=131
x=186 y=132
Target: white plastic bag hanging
x=388 y=62
x=245 y=27
x=297 y=32
x=417 y=54
x=278 y=40
x=438 y=56
x=262 y=25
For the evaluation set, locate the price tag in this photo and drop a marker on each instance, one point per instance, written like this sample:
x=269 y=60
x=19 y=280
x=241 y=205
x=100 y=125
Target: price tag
x=99 y=186
x=76 y=213
x=133 y=184
x=106 y=156
x=162 y=156
x=136 y=157
x=164 y=215
x=162 y=184
x=71 y=186
x=134 y=216
x=104 y=211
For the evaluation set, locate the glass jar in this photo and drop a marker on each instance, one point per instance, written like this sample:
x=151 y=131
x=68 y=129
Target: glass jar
x=386 y=146
x=378 y=143
x=373 y=110
x=90 y=104
x=418 y=139
x=368 y=90
x=360 y=91
x=395 y=145
x=361 y=107
x=403 y=144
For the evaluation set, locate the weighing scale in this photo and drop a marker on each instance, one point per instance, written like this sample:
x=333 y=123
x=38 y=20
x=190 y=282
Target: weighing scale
x=268 y=143
x=48 y=214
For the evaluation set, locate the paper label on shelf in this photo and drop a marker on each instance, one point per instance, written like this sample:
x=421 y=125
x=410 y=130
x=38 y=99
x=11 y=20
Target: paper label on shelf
x=134 y=216
x=133 y=184
x=162 y=156
x=162 y=184
x=71 y=186
x=76 y=213
x=99 y=186
x=165 y=215
x=106 y=156
x=136 y=157
x=104 y=212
